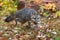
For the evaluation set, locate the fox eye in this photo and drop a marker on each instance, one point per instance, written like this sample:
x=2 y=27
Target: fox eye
x=37 y=18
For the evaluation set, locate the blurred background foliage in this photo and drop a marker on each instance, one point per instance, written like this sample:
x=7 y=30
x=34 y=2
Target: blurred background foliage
x=7 y=7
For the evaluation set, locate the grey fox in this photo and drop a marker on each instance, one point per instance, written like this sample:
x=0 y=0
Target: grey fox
x=24 y=15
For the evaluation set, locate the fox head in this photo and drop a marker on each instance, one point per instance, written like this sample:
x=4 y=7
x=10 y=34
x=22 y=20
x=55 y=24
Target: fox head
x=35 y=18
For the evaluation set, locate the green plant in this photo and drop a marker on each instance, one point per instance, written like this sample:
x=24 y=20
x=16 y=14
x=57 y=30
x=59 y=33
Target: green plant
x=6 y=7
x=57 y=14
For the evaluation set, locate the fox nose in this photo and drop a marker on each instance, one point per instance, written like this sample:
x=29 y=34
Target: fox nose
x=36 y=22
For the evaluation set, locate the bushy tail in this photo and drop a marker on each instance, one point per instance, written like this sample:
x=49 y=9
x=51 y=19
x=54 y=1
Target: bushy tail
x=10 y=18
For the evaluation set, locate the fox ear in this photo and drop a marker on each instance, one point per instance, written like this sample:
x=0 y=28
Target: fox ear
x=32 y=14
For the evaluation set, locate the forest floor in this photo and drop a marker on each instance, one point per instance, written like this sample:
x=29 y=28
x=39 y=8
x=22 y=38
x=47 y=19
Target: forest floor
x=9 y=30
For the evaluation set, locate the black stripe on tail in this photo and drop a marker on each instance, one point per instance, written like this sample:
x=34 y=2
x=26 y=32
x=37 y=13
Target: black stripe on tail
x=10 y=18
